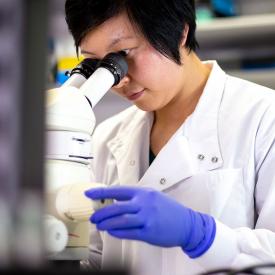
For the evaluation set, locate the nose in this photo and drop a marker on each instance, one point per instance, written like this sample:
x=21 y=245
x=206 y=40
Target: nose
x=123 y=82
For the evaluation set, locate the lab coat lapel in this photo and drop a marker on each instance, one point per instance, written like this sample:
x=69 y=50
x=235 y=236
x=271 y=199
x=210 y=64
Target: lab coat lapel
x=173 y=164
x=131 y=149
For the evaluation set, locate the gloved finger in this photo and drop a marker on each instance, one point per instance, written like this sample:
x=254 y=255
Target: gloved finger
x=128 y=234
x=121 y=222
x=115 y=209
x=114 y=192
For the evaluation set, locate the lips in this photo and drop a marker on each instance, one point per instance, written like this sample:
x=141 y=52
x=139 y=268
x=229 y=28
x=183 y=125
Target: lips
x=135 y=95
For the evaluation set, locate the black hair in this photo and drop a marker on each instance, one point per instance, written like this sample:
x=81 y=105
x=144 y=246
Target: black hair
x=160 y=21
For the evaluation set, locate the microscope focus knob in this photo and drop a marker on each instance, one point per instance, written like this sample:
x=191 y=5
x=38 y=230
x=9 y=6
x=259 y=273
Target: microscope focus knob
x=73 y=205
x=56 y=235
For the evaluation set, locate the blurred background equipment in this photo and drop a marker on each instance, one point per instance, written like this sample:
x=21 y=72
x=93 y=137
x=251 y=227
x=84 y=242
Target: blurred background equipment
x=23 y=31
x=240 y=35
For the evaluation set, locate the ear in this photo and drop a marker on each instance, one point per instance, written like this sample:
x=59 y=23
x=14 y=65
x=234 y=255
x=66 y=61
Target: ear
x=184 y=35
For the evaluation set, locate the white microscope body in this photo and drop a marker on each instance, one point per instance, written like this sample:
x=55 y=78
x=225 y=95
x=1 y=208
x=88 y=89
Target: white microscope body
x=70 y=122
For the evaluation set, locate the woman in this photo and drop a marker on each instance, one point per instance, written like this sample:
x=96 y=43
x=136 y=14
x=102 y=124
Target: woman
x=191 y=165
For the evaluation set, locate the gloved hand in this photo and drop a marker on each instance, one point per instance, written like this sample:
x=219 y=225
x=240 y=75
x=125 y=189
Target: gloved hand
x=151 y=216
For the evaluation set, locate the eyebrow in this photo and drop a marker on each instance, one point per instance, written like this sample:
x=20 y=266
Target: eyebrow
x=111 y=45
x=118 y=40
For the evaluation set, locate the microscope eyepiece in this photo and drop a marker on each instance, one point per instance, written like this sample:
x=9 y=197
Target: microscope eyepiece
x=86 y=67
x=116 y=64
x=94 y=77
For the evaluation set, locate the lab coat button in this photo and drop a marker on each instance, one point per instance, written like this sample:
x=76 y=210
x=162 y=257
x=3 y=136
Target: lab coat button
x=162 y=181
x=214 y=159
x=132 y=162
x=201 y=157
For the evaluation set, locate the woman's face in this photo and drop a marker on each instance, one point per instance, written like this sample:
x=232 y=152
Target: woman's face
x=153 y=80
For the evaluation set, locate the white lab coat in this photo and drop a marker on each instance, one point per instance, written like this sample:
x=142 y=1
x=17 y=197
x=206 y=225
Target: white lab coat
x=221 y=161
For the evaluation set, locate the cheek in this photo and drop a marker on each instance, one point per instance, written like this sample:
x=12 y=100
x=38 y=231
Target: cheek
x=151 y=69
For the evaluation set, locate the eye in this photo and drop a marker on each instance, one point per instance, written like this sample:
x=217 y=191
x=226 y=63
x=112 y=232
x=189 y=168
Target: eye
x=125 y=52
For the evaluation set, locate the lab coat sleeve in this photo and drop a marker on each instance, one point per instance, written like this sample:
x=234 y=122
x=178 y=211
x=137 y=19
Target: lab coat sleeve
x=245 y=246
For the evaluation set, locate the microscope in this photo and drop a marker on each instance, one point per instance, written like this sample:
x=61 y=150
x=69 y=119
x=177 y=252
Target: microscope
x=70 y=122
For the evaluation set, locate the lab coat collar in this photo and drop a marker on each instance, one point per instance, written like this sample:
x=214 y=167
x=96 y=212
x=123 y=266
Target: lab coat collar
x=186 y=153
x=202 y=128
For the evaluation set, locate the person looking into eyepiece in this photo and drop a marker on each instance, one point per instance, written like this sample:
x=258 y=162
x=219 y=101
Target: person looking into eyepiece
x=190 y=165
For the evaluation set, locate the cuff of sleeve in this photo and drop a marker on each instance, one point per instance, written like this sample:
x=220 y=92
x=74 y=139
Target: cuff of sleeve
x=209 y=232
x=223 y=250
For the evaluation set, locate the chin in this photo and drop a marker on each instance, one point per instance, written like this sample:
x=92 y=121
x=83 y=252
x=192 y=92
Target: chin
x=145 y=107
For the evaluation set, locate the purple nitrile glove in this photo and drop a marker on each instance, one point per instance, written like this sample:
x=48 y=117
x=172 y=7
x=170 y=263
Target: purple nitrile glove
x=151 y=216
